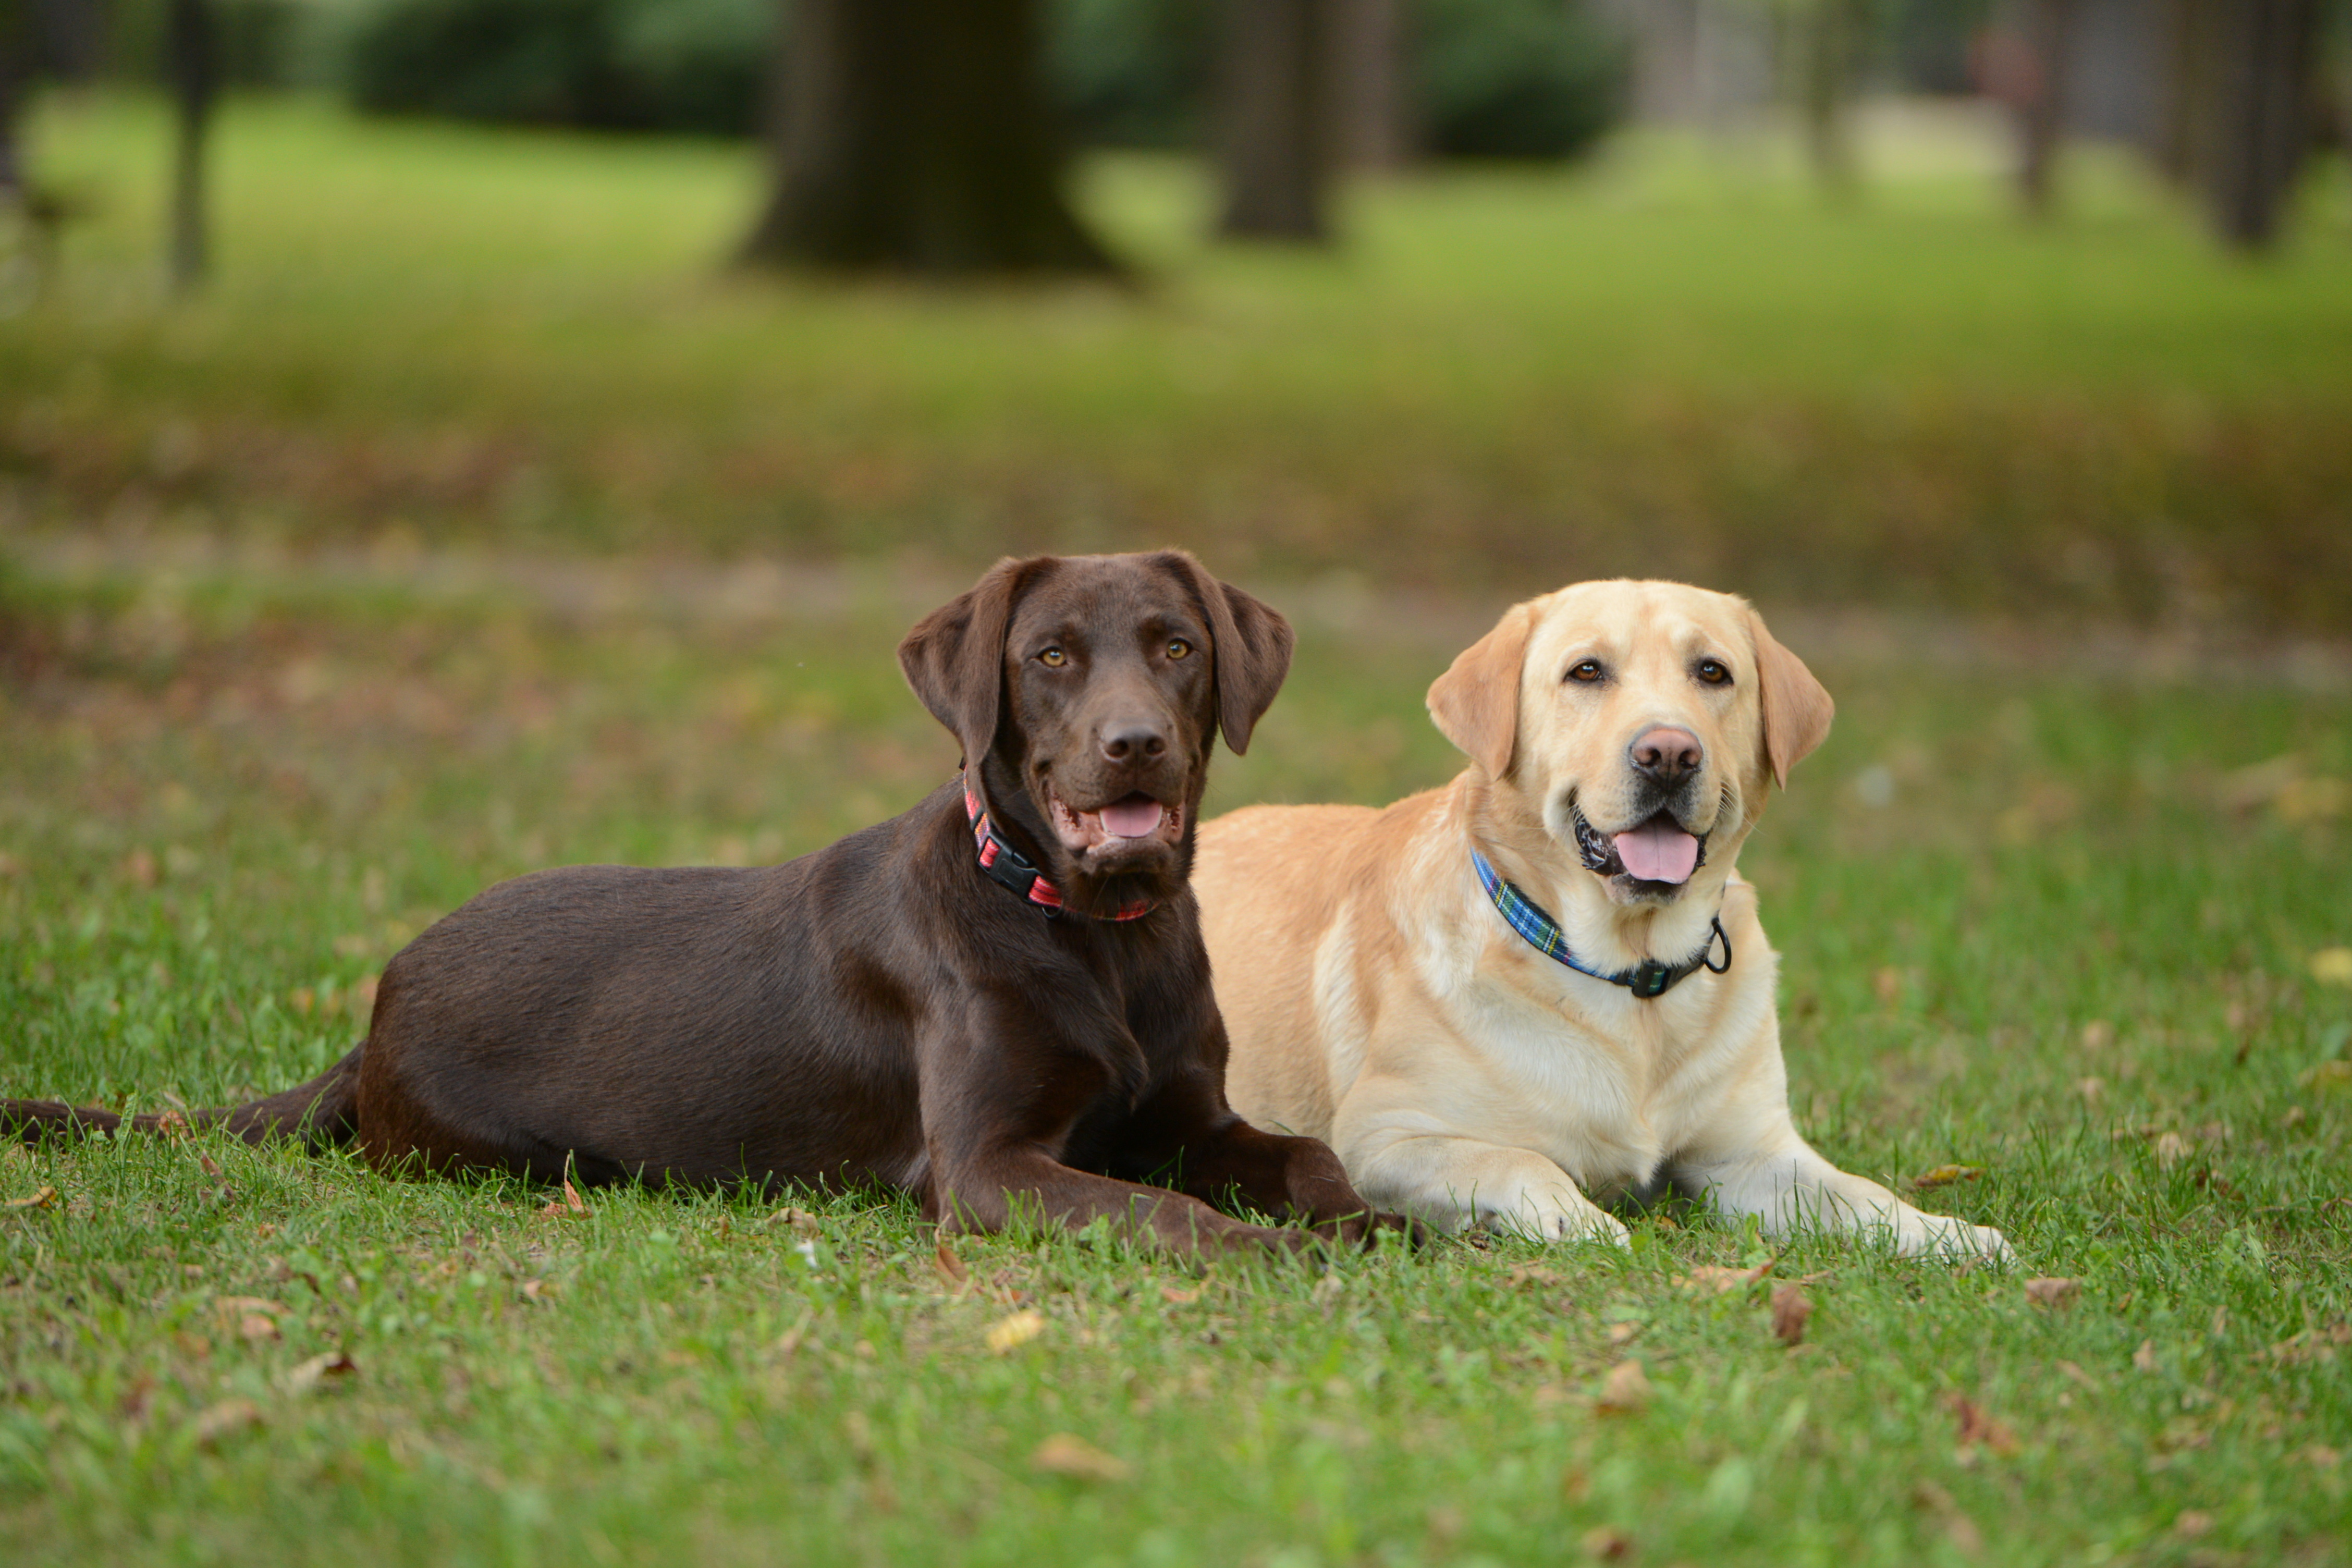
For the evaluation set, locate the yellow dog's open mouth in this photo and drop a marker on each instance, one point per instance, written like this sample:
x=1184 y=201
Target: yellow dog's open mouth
x=1659 y=850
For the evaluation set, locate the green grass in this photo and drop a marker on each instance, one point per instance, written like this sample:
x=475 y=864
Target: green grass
x=227 y=796
x=1659 y=366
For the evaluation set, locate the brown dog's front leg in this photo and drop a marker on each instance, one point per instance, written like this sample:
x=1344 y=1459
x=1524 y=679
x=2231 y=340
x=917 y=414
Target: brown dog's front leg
x=1214 y=1153
x=989 y=1191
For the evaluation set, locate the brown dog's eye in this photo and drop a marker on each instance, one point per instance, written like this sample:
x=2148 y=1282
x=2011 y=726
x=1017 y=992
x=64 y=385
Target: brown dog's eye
x=1588 y=671
x=1714 y=673
x=1054 y=658
x=1178 y=647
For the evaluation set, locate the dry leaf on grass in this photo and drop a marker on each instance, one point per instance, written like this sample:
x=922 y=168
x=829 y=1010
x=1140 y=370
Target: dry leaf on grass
x=1790 y=1309
x=2171 y=1148
x=1008 y=1334
x=230 y=1415
x=1980 y=1430
x=1715 y=1278
x=1626 y=1390
x=205 y=1163
x=1945 y=1176
x=2052 y=1291
x=1066 y=1454
x=40 y=1199
x=570 y=1203
x=799 y=1220
x=541 y=1290
x=1177 y=1296
x=951 y=1266
x=1607 y=1543
x=320 y=1371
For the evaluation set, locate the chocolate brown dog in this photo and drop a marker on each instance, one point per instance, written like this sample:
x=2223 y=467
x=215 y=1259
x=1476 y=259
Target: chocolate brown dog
x=998 y=1000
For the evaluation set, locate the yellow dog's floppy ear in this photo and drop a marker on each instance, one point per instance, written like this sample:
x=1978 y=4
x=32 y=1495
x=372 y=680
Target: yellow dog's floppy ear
x=1475 y=704
x=1797 y=707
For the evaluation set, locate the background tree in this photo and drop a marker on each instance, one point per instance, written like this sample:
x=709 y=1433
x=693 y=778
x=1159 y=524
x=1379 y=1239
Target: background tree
x=1276 y=137
x=192 y=68
x=917 y=136
x=2251 y=118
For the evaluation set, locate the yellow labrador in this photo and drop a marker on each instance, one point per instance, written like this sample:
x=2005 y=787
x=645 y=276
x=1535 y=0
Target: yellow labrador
x=1545 y=980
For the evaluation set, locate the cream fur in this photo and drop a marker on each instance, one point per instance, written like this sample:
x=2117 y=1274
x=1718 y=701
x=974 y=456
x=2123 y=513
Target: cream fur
x=1376 y=1000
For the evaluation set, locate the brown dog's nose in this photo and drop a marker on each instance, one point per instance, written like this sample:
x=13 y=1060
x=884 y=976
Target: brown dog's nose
x=1134 y=741
x=1665 y=753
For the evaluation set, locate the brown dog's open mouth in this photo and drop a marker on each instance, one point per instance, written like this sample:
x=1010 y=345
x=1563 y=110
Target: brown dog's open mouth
x=1659 y=850
x=1130 y=822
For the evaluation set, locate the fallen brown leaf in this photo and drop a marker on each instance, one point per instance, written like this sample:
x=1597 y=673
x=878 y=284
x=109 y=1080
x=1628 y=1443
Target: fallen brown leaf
x=1622 y=1333
x=204 y=1162
x=951 y=1266
x=1715 y=1278
x=1178 y=1296
x=331 y=1366
x=570 y=1203
x=2052 y=1291
x=1067 y=1454
x=1945 y=1176
x=1607 y=1543
x=799 y=1220
x=540 y=1290
x=229 y=1416
x=1626 y=1390
x=1790 y=1309
x=41 y=1198
x=258 y=1326
x=1981 y=1429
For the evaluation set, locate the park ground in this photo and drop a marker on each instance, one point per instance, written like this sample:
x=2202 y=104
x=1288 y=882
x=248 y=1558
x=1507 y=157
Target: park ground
x=478 y=522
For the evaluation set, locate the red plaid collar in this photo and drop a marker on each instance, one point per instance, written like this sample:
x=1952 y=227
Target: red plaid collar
x=1005 y=864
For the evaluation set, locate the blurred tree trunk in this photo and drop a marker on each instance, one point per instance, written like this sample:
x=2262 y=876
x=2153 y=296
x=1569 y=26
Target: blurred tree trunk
x=1829 y=40
x=916 y=135
x=2262 y=76
x=190 y=48
x=15 y=75
x=2039 y=96
x=1368 y=59
x=1276 y=138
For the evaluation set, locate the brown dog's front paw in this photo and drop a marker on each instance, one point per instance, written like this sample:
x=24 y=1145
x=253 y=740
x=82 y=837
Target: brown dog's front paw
x=1362 y=1230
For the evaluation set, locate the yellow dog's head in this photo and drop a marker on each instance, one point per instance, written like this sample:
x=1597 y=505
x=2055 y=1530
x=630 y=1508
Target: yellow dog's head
x=1637 y=723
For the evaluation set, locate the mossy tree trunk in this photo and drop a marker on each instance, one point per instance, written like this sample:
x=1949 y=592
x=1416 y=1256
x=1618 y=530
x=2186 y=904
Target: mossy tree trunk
x=916 y=136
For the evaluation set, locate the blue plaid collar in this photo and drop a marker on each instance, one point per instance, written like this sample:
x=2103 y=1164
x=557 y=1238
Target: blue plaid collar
x=1005 y=864
x=1647 y=980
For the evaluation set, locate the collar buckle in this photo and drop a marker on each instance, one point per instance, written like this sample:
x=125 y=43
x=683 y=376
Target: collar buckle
x=1649 y=979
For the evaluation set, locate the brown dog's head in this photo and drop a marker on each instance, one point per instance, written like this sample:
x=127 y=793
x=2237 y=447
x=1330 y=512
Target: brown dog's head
x=1087 y=692
x=1638 y=722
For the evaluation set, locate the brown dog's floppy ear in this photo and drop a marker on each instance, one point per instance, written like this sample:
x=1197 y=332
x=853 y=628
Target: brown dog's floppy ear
x=1475 y=704
x=1797 y=707
x=954 y=659
x=1252 y=653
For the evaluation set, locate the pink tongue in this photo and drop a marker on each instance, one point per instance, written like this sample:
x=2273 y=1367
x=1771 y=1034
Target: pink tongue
x=1657 y=852
x=1131 y=818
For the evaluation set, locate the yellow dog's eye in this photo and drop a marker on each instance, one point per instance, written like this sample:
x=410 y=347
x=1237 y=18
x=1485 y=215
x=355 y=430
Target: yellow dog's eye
x=1054 y=658
x=1714 y=673
x=1178 y=647
x=1588 y=671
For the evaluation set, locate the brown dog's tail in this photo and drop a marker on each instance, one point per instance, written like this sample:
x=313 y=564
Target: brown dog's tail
x=322 y=1112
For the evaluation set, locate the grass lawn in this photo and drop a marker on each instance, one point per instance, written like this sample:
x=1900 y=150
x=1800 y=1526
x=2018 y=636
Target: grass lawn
x=2037 y=923
x=1659 y=366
